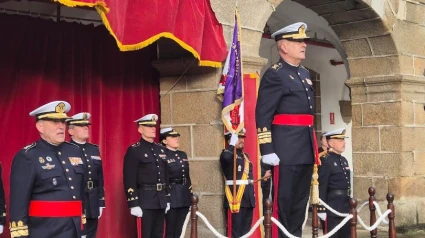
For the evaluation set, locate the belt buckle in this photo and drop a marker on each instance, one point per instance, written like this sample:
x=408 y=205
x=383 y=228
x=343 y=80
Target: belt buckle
x=184 y=180
x=90 y=185
x=159 y=187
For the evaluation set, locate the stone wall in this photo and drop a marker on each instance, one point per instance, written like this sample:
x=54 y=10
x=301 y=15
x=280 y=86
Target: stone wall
x=386 y=57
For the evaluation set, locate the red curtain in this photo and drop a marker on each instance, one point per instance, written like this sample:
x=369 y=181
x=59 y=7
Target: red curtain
x=42 y=61
x=135 y=24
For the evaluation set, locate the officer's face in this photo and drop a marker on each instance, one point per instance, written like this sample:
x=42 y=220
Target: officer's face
x=241 y=143
x=172 y=142
x=79 y=133
x=147 y=132
x=295 y=49
x=324 y=142
x=338 y=145
x=52 y=131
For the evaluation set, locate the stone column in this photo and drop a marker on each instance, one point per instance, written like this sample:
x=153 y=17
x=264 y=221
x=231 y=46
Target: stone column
x=388 y=97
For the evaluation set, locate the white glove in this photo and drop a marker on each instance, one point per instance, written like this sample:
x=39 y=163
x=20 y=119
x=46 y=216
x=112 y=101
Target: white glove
x=136 y=211
x=83 y=236
x=234 y=139
x=1 y=229
x=100 y=212
x=167 y=208
x=322 y=216
x=270 y=159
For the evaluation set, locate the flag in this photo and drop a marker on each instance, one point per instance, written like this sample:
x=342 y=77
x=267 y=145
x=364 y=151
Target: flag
x=230 y=87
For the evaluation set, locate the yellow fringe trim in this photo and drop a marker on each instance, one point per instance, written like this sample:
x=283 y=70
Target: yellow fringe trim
x=102 y=9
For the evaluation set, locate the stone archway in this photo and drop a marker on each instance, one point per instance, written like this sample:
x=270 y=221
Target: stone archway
x=382 y=41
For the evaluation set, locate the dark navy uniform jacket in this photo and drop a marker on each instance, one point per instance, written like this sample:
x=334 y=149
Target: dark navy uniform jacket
x=285 y=89
x=179 y=178
x=334 y=174
x=145 y=165
x=2 y=201
x=94 y=195
x=42 y=171
x=226 y=161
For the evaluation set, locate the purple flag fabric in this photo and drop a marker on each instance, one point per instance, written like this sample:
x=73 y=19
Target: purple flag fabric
x=230 y=86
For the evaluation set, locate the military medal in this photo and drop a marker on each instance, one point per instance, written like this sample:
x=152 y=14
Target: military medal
x=54 y=181
x=48 y=158
x=335 y=164
x=41 y=160
x=239 y=168
x=309 y=81
x=146 y=155
x=291 y=77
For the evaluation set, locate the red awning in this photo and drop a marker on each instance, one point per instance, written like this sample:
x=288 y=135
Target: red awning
x=136 y=24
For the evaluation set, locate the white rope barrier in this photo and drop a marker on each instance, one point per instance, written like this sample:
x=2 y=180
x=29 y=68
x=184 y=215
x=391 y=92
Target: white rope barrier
x=347 y=217
x=381 y=218
x=385 y=221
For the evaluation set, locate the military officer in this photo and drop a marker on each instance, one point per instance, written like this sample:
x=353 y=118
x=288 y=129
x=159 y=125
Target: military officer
x=94 y=194
x=334 y=183
x=241 y=209
x=46 y=181
x=2 y=204
x=179 y=179
x=146 y=179
x=284 y=118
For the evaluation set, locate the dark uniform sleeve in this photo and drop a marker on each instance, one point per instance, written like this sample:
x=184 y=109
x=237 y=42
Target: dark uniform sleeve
x=167 y=181
x=130 y=177
x=269 y=95
x=101 y=188
x=324 y=173
x=265 y=185
x=22 y=177
x=226 y=156
x=2 y=201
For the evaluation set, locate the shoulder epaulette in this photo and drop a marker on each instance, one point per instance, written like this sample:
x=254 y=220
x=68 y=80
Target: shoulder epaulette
x=323 y=155
x=135 y=144
x=276 y=66
x=71 y=144
x=92 y=144
x=226 y=150
x=30 y=146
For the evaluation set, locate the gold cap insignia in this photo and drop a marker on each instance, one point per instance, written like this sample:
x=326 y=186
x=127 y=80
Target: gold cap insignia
x=60 y=108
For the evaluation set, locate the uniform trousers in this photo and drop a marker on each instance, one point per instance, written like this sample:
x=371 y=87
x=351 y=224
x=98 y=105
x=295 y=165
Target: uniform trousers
x=332 y=222
x=153 y=223
x=91 y=227
x=174 y=220
x=241 y=221
x=293 y=194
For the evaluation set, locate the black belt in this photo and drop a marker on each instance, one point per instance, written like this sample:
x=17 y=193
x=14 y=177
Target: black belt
x=178 y=181
x=152 y=187
x=346 y=192
x=92 y=184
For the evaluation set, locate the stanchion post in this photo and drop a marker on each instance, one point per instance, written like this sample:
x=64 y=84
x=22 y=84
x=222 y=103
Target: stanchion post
x=194 y=217
x=372 y=209
x=315 y=221
x=391 y=216
x=268 y=218
x=353 y=221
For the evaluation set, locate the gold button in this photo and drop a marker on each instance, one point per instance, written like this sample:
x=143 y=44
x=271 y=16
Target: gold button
x=70 y=178
x=308 y=97
x=59 y=153
x=67 y=170
x=89 y=172
x=72 y=187
x=63 y=162
x=306 y=89
x=311 y=107
x=74 y=197
x=89 y=166
x=84 y=149
x=89 y=178
x=85 y=155
x=87 y=160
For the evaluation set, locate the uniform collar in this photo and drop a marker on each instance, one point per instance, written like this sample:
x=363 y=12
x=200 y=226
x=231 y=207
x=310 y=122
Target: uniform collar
x=145 y=141
x=288 y=64
x=49 y=145
x=79 y=144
